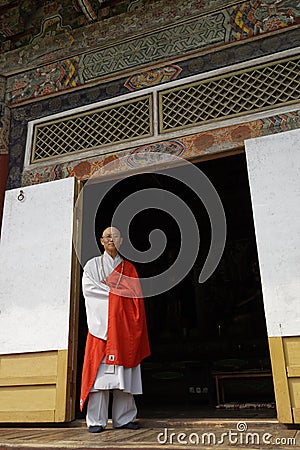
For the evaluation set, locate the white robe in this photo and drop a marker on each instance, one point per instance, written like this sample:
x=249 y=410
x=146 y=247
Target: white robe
x=96 y=294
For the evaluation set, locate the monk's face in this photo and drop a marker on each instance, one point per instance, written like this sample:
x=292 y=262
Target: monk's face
x=111 y=240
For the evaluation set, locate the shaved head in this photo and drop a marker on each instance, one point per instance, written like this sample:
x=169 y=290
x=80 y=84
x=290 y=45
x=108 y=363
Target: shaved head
x=111 y=240
x=112 y=231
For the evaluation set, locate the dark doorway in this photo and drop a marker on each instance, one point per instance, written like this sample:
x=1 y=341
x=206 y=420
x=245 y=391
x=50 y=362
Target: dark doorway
x=198 y=331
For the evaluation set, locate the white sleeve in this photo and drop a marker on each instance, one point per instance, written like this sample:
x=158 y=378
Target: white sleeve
x=96 y=304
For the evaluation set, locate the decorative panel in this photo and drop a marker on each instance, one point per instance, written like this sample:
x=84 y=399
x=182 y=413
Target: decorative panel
x=229 y=95
x=93 y=129
x=65 y=74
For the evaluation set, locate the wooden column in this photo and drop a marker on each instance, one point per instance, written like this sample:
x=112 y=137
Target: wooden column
x=4 y=132
x=3 y=180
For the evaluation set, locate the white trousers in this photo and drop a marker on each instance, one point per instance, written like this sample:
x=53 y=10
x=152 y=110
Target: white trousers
x=123 y=408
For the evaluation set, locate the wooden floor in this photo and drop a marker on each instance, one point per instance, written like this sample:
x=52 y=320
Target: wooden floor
x=153 y=434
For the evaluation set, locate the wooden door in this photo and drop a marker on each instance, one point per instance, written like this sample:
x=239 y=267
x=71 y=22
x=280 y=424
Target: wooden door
x=274 y=177
x=39 y=292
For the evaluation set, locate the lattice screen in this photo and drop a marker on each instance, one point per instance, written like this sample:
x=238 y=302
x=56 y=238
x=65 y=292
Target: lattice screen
x=230 y=95
x=93 y=129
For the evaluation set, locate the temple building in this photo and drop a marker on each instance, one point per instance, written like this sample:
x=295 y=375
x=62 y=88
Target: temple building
x=196 y=102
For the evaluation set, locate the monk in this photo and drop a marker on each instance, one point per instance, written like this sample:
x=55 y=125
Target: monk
x=117 y=338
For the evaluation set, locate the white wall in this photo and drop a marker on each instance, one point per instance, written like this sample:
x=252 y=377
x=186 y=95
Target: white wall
x=35 y=269
x=274 y=176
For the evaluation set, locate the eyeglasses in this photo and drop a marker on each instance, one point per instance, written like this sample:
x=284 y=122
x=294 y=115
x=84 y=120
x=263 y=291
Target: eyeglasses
x=111 y=236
